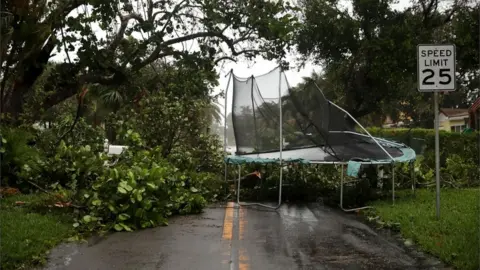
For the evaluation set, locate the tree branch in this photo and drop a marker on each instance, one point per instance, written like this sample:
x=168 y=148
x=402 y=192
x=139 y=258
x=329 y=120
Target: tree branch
x=224 y=58
x=150 y=10
x=123 y=26
x=63 y=10
x=156 y=54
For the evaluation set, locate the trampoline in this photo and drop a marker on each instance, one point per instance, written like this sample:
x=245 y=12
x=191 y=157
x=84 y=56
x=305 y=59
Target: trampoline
x=276 y=123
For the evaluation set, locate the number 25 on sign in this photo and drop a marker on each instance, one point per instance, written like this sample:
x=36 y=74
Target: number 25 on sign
x=436 y=68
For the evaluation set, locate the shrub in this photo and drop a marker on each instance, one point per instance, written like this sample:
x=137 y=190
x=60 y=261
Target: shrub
x=40 y=160
x=142 y=191
x=458 y=154
x=301 y=182
x=423 y=140
x=82 y=134
x=205 y=154
x=172 y=123
x=461 y=172
x=72 y=167
x=17 y=155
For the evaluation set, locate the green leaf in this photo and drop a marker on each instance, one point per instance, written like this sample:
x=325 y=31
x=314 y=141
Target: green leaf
x=139 y=197
x=124 y=207
x=147 y=204
x=96 y=202
x=87 y=218
x=131 y=175
x=152 y=186
x=121 y=190
x=140 y=213
x=118 y=227
x=127 y=228
x=123 y=217
x=112 y=208
x=76 y=224
x=193 y=189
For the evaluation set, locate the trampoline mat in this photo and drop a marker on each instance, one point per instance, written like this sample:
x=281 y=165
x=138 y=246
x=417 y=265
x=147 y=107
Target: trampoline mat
x=319 y=155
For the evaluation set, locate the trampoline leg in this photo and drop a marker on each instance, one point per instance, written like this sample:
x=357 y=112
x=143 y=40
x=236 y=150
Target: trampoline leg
x=226 y=181
x=393 y=183
x=412 y=172
x=238 y=182
x=280 y=188
x=261 y=204
x=341 y=187
x=341 y=195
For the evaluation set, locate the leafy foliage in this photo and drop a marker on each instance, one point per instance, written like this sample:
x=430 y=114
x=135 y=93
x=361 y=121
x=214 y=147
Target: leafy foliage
x=17 y=155
x=142 y=191
x=458 y=155
x=368 y=52
x=82 y=134
x=205 y=156
x=72 y=167
x=423 y=142
x=461 y=172
x=178 y=126
x=146 y=31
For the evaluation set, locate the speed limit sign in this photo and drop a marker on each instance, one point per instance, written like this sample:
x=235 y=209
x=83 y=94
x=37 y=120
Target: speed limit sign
x=436 y=73
x=436 y=68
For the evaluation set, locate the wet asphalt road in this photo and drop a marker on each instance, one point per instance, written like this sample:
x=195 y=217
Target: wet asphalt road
x=294 y=237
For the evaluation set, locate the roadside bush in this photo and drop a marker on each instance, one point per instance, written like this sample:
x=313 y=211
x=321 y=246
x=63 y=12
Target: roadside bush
x=142 y=191
x=17 y=156
x=204 y=154
x=82 y=134
x=308 y=183
x=460 y=172
x=135 y=190
x=458 y=155
x=71 y=167
x=451 y=143
x=178 y=126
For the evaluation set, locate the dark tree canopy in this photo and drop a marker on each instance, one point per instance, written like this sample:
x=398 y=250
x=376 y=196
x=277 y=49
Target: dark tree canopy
x=136 y=34
x=369 y=52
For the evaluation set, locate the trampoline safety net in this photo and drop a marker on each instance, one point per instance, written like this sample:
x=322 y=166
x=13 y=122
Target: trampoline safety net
x=312 y=128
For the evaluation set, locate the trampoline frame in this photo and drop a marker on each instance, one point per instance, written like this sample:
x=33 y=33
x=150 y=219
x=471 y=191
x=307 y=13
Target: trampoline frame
x=280 y=160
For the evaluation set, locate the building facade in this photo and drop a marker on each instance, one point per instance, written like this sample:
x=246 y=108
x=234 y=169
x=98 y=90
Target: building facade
x=454 y=120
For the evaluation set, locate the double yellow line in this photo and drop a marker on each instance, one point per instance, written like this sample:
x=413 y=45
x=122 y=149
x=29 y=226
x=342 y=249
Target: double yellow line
x=233 y=234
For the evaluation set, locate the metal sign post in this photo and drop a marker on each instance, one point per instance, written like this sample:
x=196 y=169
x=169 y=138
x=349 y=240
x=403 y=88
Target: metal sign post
x=437 y=153
x=436 y=73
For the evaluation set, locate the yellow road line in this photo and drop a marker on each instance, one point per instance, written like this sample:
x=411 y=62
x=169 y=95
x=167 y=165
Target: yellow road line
x=227 y=236
x=227 y=233
x=244 y=260
x=228 y=222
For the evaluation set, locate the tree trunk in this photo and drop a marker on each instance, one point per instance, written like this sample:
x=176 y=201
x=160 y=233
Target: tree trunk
x=14 y=106
x=31 y=69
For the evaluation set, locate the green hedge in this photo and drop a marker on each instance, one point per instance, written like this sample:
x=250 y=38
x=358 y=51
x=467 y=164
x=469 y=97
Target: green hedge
x=423 y=142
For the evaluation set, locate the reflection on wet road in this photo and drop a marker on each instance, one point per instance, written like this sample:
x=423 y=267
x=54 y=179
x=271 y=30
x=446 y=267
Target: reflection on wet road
x=294 y=237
